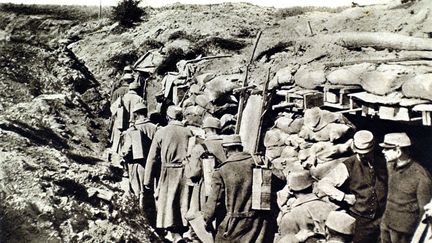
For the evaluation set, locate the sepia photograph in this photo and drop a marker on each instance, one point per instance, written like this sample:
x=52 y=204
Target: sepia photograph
x=216 y=121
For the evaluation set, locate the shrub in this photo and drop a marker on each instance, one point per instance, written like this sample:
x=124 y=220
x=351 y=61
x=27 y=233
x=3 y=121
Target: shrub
x=127 y=12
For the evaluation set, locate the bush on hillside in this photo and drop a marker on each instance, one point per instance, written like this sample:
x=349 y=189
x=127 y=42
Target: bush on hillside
x=127 y=12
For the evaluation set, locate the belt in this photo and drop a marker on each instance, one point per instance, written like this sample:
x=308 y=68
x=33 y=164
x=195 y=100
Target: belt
x=249 y=214
x=174 y=165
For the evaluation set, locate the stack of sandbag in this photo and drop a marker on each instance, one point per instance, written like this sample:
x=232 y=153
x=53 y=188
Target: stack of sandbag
x=418 y=87
x=315 y=142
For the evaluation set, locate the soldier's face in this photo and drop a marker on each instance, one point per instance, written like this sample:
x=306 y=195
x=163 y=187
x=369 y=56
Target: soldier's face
x=391 y=154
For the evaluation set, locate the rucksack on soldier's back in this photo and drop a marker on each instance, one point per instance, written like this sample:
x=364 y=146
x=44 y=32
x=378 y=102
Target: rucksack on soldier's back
x=122 y=116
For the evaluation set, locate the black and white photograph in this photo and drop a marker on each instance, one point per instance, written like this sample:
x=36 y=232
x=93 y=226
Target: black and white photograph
x=216 y=121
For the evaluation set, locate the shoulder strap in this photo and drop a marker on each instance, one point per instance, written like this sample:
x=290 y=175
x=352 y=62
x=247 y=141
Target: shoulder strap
x=206 y=151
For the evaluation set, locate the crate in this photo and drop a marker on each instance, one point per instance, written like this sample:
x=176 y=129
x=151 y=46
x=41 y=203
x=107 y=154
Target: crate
x=426 y=111
x=336 y=96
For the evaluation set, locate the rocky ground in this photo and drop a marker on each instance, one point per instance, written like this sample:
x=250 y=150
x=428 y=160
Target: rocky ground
x=55 y=182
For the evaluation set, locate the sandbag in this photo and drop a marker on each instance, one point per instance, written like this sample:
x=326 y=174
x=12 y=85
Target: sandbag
x=349 y=75
x=310 y=77
x=385 y=79
x=294 y=140
x=283 y=123
x=222 y=85
x=289 y=152
x=418 y=87
x=320 y=170
x=273 y=152
x=272 y=138
x=331 y=132
x=282 y=77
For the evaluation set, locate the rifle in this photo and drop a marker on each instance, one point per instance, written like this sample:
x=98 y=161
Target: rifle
x=207 y=58
x=263 y=110
x=242 y=94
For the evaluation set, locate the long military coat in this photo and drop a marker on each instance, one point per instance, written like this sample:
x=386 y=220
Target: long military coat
x=167 y=154
x=232 y=187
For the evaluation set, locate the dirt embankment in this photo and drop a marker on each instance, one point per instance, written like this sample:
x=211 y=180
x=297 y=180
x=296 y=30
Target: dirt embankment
x=56 y=73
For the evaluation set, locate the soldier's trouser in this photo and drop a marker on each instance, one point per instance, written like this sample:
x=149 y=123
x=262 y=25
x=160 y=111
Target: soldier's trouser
x=366 y=230
x=392 y=236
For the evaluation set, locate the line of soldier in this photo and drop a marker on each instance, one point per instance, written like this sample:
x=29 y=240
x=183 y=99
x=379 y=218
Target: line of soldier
x=201 y=179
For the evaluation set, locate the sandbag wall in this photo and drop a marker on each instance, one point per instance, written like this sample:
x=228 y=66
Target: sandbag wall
x=316 y=141
x=413 y=81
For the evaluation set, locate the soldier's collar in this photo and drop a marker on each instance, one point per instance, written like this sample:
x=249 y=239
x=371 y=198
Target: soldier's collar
x=238 y=156
x=213 y=137
x=141 y=121
x=177 y=123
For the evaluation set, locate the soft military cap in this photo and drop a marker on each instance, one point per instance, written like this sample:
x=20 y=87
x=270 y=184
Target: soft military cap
x=128 y=76
x=340 y=222
x=299 y=180
x=231 y=140
x=139 y=107
x=398 y=139
x=211 y=122
x=173 y=111
x=363 y=142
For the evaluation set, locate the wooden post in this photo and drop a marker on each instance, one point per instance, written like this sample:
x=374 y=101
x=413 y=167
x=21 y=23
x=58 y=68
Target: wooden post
x=100 y=9
x=242 y=94
x=310 y=28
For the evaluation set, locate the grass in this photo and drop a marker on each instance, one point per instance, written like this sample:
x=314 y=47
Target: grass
x=56 y=11
x=295 y=11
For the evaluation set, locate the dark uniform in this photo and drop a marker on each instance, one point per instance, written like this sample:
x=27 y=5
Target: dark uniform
x=410 y=189
x=232 y=187
x=369 y=185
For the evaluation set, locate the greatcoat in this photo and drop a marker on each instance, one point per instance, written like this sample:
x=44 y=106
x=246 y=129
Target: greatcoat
x=166 y=161
x=232 y=187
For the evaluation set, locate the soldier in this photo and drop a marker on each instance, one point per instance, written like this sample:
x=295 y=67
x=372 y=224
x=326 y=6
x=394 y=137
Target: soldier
x=209 y=149
x=130 y=99
x=137 y=141
x=118 y=120
x=339 y=227
x=410 y=190
x=122 y=88
x=307 y=212
x=362 y=183
x=167 y=154
x=232 y=187
x=205 y=156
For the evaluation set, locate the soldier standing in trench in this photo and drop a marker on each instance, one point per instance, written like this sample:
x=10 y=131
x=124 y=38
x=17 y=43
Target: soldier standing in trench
x=362 y=180
x=232 y=187
x=167 y=154
x=137 y=141
x=410 y=189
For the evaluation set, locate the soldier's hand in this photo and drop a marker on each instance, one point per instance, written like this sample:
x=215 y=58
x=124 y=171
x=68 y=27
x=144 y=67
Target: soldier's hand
x=303 y=235
x=350 y=199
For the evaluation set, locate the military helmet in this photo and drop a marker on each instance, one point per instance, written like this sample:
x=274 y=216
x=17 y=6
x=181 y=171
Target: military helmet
x=211 y=122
